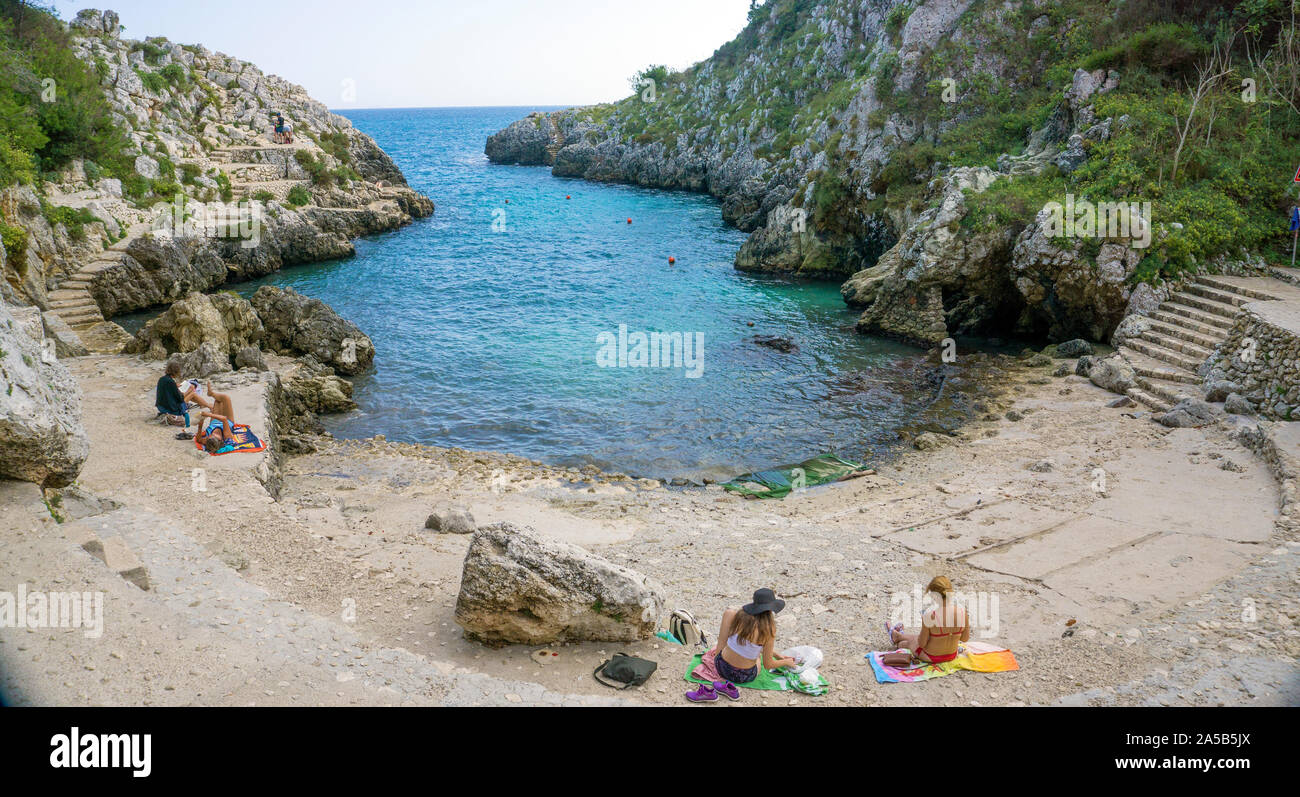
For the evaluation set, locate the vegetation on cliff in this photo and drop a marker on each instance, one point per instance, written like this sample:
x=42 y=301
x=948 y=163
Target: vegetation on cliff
x=52 y=109
x=849 y=111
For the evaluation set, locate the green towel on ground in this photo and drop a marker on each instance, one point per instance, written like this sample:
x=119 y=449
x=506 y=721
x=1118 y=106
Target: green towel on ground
x=767 y=680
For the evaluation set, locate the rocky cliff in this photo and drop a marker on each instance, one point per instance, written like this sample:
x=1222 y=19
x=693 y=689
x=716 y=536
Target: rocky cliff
x=911 y=147
x=209 y=197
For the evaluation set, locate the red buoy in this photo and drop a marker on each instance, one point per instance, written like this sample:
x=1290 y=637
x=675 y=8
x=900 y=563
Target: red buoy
x=671 y=260
x=629 y=221
x=507 y=201
x=566 y=196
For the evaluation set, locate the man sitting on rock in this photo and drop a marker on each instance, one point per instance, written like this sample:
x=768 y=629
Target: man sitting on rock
x=168 y=399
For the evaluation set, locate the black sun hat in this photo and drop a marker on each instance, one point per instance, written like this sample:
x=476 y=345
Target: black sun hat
x=765 y=600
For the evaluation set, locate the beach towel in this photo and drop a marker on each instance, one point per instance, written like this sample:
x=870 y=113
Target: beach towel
x=779 y=482
x=973 y=656
x=703 y=671
x=245 y=442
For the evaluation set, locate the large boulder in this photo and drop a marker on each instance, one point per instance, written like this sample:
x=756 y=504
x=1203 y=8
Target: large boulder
x=225 y=320
x=297 y=324
x=41 y=436
x=519 y=587
x=203 y=362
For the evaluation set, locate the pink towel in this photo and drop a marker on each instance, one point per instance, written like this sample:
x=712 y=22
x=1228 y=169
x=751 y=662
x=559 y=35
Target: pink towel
x=707 y=670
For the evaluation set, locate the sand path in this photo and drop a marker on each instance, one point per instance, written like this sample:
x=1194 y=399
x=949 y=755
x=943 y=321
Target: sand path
x=1140 y=534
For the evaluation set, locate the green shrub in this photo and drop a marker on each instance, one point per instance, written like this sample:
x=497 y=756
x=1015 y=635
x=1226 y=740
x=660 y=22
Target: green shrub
x=14 y=240
x=224 y=188
x=298 y=196
x=73 y=220
x=1166 y=47
x=263 y=196
x=152 y=81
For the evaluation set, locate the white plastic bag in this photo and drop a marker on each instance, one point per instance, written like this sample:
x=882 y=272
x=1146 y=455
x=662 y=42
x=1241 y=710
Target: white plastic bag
x=809 y=658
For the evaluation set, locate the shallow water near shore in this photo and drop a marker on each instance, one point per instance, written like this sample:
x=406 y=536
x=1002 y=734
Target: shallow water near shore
x=486 y=319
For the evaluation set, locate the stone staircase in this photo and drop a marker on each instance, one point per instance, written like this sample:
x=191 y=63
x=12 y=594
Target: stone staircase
x=72 y=302
x=1184 y=331
x=251 y=167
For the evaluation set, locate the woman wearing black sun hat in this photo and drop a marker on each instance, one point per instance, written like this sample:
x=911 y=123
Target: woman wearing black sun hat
x=746 y=636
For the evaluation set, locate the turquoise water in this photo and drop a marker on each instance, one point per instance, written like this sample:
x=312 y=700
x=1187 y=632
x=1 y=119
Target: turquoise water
x=486 y=319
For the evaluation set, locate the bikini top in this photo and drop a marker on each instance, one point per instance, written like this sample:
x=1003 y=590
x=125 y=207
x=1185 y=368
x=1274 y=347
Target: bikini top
x=744 y=648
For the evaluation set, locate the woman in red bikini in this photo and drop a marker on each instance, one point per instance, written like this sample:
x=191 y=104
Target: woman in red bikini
x=942 y=628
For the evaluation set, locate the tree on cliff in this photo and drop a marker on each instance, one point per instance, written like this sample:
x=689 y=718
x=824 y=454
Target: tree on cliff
x=52 y=108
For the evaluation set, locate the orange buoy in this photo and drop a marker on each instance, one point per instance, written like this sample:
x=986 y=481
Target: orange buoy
x=751 y=323
x=671 y=260
x=629 y=221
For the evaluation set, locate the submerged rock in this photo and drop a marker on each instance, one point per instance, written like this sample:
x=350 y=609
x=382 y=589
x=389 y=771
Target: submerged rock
x=783 y=345
x=519 y=587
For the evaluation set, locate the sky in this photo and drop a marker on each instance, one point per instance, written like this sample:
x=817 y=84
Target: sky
x=407 y=53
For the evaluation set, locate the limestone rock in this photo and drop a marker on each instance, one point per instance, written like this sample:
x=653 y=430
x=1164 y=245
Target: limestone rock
x=1114 y=374
x=929 y=441
x=66 y=341
x=1238 y=405
x=1188 y=412
x=1073 y=348
x=250 y=357
x=203 y=362
x=320 y=393
x=520 y=587
x=299 y=324
x=451 y=520
x=1217 y=390
x=41 y=436
x=225 y=320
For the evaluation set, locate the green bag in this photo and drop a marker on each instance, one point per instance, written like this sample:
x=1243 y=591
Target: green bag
x=624 y=671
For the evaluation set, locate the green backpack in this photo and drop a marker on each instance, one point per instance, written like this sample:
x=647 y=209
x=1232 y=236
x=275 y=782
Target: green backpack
x=624 y=671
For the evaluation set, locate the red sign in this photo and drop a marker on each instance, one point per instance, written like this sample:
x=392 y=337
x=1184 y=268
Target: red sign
x=1297 y=175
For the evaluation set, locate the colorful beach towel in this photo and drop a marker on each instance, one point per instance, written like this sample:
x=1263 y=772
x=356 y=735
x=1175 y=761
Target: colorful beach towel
x=702 y=671
x=245 y=442
x=973 y=656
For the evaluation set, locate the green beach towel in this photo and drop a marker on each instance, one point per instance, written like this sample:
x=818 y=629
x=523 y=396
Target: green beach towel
x=778 y=483
x=767 y=680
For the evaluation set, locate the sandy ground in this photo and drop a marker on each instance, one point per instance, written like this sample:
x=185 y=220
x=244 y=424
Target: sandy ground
x=1180 y=583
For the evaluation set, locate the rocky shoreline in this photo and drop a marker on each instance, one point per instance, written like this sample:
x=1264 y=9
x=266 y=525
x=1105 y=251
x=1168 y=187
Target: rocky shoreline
x=95 y=246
